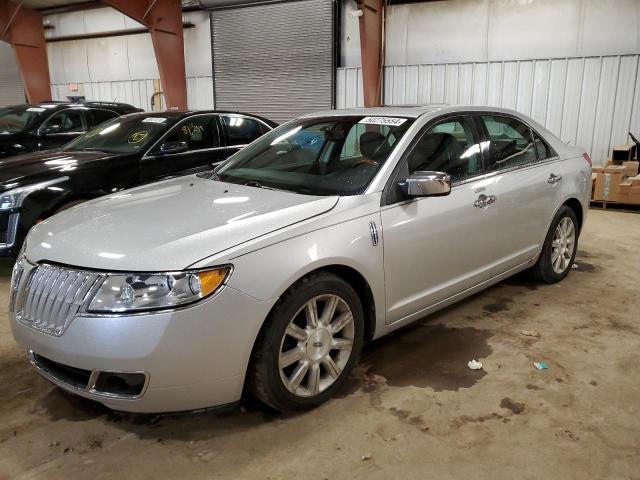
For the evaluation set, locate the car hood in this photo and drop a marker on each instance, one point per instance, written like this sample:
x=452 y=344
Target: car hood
x=167 y=225
x=15 y=168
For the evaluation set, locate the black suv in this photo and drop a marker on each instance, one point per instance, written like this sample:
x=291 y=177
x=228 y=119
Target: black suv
x=121 y=153
x=46 y=125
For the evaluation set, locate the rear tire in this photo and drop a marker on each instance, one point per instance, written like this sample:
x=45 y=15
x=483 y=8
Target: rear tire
x=559 y=249
x=309 y=344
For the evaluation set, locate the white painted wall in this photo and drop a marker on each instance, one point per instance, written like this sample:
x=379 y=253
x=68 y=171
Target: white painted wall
x=454 y=31
x=123 y=68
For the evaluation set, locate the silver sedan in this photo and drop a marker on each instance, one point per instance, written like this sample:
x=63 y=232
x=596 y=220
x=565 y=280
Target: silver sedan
x=269 y=273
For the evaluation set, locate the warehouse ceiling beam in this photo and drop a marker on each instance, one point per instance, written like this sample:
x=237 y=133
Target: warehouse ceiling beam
x=163 y=18
x=371 y=22
x=22 y=28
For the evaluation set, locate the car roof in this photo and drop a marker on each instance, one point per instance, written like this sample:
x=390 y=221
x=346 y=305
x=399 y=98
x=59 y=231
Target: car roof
x=179 y=114
x=414 y=111
x=409 y=111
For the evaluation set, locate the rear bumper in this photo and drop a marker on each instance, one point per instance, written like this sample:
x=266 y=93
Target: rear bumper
x=192 y=358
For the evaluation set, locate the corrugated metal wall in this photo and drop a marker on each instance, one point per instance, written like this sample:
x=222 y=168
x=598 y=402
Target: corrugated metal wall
x=589 y=101
x=138 y=92
x=274 y=59
x=11 y=89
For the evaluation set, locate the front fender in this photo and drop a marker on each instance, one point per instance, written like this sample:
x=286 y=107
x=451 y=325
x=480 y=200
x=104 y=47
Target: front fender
x=267 y=273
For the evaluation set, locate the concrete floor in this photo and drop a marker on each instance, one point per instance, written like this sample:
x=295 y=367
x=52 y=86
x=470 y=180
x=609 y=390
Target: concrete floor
x=412 y=410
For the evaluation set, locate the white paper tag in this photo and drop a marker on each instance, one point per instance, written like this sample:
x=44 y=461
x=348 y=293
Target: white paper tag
x=391 y=121
x=154 y=120
x=36 y=109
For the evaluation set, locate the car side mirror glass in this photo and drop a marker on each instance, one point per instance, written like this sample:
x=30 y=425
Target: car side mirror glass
x=173 y=147
x=426 y=184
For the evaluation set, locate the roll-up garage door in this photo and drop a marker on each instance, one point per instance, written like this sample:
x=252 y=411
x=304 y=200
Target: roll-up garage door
x=11 y=90
x=275 y=60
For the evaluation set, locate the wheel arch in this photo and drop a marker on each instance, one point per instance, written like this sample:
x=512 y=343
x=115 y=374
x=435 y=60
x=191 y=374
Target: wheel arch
x=575 y=205
x=354 y=278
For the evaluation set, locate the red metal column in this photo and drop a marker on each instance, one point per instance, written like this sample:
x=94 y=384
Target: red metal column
x=22 y=28
x=163 y=18
x=371 y=47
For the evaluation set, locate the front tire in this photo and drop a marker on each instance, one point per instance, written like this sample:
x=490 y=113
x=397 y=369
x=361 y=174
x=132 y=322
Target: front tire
x=308 y=345
x=559 y=249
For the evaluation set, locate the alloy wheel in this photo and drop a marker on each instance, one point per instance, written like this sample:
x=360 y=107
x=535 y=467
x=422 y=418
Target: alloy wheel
x=316 y=345
x=564 y=241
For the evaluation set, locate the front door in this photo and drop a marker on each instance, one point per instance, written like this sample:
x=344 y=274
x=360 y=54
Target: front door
x=528 y=178
x=201 y=136
x=437 y=247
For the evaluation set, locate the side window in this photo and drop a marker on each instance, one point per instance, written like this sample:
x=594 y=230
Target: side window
x=65 y=121
x=241 y=130
x=96 y=117
x=510 y=142
x=544 y=151
x=199 y=132
x=451 y=146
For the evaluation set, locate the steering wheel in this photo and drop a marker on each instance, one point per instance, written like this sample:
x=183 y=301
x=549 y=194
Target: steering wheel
x=364 y=161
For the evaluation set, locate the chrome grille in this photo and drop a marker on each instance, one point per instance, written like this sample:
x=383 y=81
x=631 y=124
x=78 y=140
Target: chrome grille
x=48 y=297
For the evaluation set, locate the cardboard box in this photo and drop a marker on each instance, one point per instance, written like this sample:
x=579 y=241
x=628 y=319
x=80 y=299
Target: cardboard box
x=625 y=187
x=598 y=169
x=608 y=184
x=623 y=153
x=631 y=196
x=630 y=168
x=635 y=181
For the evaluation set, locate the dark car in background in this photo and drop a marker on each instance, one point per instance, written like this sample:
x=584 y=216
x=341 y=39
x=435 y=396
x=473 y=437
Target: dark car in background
x=46 y=125
x=121 y=153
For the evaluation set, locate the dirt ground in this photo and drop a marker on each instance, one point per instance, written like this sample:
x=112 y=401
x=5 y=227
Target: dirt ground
x=412 y=410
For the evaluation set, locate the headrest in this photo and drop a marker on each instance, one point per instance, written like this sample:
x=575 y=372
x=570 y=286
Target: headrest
x=373 y=145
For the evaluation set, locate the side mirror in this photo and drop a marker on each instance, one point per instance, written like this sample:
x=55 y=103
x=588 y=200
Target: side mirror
x=173 y=147
x=52 y=128
x=426 y=184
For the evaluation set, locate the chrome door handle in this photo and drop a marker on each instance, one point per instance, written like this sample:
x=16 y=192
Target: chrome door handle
x=553 y=178
x=484 y=200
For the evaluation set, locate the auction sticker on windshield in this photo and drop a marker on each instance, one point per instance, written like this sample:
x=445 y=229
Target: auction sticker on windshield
x=36 y=109
x=154 y=120
x=391 y=121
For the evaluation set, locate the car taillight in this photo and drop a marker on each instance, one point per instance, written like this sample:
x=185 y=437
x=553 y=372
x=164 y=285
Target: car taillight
x=586 y=156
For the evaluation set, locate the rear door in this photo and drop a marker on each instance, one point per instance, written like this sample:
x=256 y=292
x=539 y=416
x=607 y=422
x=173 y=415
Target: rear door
x=437 y=247
x=204 y=149
x=96 y=116
x=240 y=131
x=528 y=175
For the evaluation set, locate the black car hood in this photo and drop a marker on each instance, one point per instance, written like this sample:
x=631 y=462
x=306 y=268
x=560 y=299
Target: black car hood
x=13 y=169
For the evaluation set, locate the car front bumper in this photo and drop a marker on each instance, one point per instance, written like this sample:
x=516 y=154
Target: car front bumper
x=8 y=232
x=191 y=358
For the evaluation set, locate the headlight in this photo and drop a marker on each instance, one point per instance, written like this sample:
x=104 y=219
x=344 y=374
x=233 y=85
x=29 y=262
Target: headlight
x=14 y=197
x=132 y=292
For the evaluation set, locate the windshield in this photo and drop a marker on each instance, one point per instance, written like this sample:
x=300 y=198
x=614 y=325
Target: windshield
x=122 y=134
x=17 y=119
x=331 y=156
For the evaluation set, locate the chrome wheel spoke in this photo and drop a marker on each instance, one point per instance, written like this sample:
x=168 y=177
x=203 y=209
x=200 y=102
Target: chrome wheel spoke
x=340 y=322
x=290 y=357
x=314 y=379
x=311 y=313
x=329 y=309
x=332 y=369
x=341 y=344
x=296 y=332
x=298 y=375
